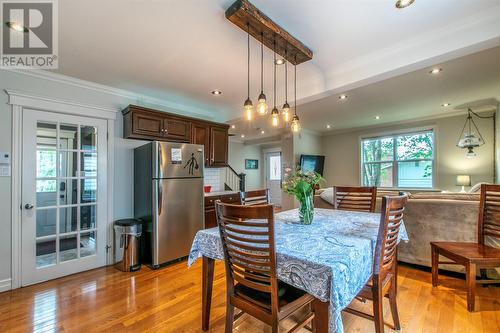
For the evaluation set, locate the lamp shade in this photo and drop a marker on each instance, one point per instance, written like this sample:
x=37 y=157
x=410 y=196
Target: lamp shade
x=463 y=180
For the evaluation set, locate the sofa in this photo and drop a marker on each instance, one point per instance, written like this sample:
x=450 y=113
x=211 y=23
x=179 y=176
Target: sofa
x=429 y=216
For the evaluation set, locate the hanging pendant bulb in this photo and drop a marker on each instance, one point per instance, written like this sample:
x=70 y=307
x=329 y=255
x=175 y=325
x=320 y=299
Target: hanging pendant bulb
x=295 y=126
x=248 y=106
x=262 y=106
x=286 y=106
x=275 y=113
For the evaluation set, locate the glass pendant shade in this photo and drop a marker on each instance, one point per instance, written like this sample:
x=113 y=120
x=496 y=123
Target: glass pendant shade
x=286 y=112
x=468 y=138
x=275 y=117
x=469 y=141
x=248 y=107
x=295 y=124
x=262 y=106
x=470 y=153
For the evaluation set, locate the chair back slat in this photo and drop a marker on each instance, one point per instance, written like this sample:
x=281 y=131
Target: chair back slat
x=247 y=234
x=391 y=218
x=489 y=212
x=257 y=197
x=361 y=199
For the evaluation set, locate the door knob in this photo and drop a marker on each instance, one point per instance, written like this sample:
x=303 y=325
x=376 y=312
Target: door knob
x=28 y=206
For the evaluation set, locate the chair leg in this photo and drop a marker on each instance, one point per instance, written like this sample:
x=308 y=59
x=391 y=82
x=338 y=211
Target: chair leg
x=229 y=317
x=435 y=265
x=470 y=276
x=275 y=326
x=378 y=314
x=394 y=306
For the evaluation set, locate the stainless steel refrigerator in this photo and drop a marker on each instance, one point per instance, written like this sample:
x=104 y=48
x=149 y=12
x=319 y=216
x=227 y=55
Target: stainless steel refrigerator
x=168 y=197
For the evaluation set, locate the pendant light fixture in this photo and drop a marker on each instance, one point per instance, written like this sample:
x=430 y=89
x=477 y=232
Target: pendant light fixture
x=262 y=106
x=295 y=120
x=275 y=113
x=286 y=106
x=470 y=137
x=248 y=106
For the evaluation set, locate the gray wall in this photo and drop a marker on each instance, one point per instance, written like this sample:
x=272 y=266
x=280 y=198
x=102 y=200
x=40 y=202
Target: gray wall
x=342 y=165
x=123 y=179
x=238 y=152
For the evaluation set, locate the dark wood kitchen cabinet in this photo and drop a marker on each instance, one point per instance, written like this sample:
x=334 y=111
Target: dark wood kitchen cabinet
x=148 y=124
x=218 y=146
x=210 y=218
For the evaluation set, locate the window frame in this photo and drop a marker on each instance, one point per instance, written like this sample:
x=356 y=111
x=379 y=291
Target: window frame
x=394 y=135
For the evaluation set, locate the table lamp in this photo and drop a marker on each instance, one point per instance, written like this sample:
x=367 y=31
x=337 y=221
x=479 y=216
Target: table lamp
x=463 y=180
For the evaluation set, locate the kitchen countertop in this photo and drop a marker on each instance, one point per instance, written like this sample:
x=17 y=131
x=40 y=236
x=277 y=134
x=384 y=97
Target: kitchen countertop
x=219 y=193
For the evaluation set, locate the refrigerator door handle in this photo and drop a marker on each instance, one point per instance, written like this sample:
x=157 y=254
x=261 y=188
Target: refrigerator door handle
x=160 y=197
x=160 y=160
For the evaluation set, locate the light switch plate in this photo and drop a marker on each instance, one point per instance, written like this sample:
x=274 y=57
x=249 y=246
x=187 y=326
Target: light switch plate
x=4 y=157
x=4 y=170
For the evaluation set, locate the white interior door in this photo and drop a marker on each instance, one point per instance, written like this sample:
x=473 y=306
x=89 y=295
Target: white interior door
x=64 y=198
x=273 y=176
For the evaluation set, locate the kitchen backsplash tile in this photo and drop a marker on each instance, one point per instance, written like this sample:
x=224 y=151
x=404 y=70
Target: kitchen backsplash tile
x=213 y=177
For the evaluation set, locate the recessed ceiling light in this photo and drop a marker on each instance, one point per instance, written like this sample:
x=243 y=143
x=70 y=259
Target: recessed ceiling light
x=280 y=61
x=435 y=71
x=403 y=3
x=445 y=104
x=377 y=117
x=216 y=92
x=17 y=27
x=242 y=136
x=262 y=132
x=233 y=126
x=343 y=96
x=328 y=126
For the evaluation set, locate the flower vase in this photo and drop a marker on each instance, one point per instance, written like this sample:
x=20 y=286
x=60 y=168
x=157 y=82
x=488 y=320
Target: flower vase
x=306 y=209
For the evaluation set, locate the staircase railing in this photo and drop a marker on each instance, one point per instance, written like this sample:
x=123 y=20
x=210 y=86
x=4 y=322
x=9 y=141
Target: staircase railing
x=234 y=181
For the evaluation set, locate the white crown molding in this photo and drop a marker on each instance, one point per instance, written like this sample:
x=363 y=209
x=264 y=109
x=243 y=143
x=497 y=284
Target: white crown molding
x=139 y=98
x=5 y=285
x=38 y=102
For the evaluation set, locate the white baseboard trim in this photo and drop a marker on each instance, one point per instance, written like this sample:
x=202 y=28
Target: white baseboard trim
x=5 y=285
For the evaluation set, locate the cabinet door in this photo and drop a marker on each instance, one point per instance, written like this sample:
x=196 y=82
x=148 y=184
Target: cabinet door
x=176 y=129
x=218 y=146
x=200 y=136
x=147 y=124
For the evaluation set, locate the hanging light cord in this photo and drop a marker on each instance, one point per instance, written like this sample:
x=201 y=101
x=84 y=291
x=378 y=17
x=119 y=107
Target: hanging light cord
x=261 y=62
x=470 y=121
x=286 y=76
x=274 y=73
x=295 y=85
x=248 y=60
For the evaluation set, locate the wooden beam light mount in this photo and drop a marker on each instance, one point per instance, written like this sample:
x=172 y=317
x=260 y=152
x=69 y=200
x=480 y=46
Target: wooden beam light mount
x=242 y=12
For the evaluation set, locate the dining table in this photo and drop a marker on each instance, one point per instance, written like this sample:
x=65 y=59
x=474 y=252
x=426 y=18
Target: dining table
x=331 y=259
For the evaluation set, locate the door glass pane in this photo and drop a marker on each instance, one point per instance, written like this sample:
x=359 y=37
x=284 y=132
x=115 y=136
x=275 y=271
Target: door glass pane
x=46 y=193
x=87 y=217
x=89 y=164
x=46 y=222
x=68 y=219
x=68 y=247
x=68 y=138
x=89 y=137
x=88 y=243
x=88 y=190
x=377 y=174
x=68 y=192
x=68 y=164
x=46 y=163
x=275 y=167
x=415 y=174
x=46 y=135
x=45 y=252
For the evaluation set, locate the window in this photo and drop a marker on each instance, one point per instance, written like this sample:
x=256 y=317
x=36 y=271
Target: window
x=275 y=167
x=403 y=160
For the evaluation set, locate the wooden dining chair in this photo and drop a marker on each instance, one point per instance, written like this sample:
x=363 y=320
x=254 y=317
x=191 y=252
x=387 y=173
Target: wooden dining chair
x=383 y=282
x=361 y=199
x=247 y=234
x=257 y=197
x=474 y=255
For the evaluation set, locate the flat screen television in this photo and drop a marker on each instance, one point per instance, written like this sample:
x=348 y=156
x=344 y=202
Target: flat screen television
x=312 y=163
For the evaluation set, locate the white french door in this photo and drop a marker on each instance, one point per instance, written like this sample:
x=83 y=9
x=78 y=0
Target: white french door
x=64 y=202
x=273 y=176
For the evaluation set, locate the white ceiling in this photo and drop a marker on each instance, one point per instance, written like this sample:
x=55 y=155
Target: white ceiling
x=181 y=50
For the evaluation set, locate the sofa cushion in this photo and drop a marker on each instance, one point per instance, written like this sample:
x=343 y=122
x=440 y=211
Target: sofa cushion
x=327 y=195
x=445 y=196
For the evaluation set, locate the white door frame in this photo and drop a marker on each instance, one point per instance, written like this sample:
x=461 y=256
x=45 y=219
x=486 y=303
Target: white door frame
x=265 y=152
x=20 y=101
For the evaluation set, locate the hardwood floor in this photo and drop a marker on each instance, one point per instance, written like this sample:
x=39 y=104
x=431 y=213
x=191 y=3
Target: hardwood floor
x=169 y=300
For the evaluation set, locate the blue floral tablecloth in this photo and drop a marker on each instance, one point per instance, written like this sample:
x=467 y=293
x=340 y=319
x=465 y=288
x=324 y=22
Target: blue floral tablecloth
x=331 y=259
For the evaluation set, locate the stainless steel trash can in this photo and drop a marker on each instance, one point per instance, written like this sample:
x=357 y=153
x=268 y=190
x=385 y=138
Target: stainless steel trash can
x=127 y=244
